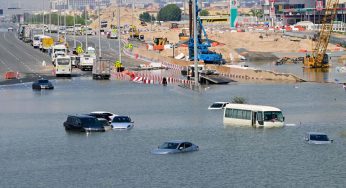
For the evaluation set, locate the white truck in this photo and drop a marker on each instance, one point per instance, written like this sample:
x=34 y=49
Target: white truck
x=58 y=50
x=87 y=59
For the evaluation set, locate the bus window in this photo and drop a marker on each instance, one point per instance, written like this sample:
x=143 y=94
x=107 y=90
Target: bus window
x=260 y=118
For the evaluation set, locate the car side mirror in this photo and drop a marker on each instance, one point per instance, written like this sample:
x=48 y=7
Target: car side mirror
x=180 y=148
x=283 y=118
x=331 y=141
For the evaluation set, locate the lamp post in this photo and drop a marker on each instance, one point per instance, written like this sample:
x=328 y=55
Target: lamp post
x=195 y=53
x=119 y=33
x=43 y=18
x=74 y=25
x=98 y=7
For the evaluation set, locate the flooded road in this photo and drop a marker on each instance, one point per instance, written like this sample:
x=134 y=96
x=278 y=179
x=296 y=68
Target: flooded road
x=36 y=151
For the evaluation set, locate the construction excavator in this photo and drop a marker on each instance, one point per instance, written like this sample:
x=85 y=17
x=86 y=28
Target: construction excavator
x=319 y=58
x=134 y=33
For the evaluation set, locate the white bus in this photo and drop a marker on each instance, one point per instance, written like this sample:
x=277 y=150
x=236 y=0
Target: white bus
x=63 y=66
x=253 y=115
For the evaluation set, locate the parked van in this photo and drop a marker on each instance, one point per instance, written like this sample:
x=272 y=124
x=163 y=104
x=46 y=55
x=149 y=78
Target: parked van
x=63 y=66
x=253 y=116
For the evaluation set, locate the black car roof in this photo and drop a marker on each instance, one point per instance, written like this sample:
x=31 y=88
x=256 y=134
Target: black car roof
x=82 y=116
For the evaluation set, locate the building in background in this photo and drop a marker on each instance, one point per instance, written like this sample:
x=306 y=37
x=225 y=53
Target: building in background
x=78 y=4
x=293 y=11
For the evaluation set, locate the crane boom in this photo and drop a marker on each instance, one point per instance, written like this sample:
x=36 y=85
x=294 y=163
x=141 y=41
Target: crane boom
x=319 y=51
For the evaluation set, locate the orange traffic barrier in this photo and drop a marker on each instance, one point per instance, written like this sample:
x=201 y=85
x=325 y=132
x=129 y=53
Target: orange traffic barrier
x=11 y=75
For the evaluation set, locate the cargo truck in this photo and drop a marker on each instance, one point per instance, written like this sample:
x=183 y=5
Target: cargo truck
x=102 y=69
x=87 y=60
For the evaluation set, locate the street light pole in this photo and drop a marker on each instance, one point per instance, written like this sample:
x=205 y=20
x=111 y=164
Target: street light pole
x=195 y=53
x=74 y=25
x=43 y=18
x=59 y=25
x=86 y=33
x=50 y=18
x=119 y=33
x=100 y=55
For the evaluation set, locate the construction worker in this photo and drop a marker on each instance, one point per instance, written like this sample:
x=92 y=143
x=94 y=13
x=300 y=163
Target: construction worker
x=118 y=66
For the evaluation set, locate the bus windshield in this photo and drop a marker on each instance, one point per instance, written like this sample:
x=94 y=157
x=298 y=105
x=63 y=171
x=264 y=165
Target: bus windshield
x=273 y=116
x=63 y=61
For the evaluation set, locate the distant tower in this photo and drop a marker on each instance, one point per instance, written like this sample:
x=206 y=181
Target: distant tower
x=233 y=13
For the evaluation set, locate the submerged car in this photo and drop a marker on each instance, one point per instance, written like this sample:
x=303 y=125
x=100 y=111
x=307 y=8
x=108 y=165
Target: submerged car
x=317 y=138
x=176 y=146
x=122 y=122
x=85 y=123
x=42 y=84
x=102 y=114
x=218 y=105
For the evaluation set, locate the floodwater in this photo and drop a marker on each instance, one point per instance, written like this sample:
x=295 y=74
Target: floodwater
x=315 y=75
x=36 y=151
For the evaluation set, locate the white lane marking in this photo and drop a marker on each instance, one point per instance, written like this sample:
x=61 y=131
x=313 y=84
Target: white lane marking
x=6 y=65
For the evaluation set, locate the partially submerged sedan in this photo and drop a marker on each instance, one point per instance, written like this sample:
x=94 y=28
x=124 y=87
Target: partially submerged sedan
x=175 y=146
x=122 y=122
x=42 y=84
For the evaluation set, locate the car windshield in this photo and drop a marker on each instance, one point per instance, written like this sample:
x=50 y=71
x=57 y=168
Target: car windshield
x=320 y=137
x=169 y=145
x=273 y=116
x=43 y=81
x=217 y=105
x=63 y=61
x=36 y=38
x=121 y=120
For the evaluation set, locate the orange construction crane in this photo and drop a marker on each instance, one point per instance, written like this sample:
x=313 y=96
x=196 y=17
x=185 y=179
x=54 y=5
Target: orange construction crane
x=319 y=59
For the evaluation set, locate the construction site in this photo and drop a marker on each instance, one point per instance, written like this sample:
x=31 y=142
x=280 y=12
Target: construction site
x=235 y=51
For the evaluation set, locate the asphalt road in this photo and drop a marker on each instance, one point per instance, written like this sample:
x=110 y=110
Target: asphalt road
x=17 y=56
x=109 y=48
x=20 y=57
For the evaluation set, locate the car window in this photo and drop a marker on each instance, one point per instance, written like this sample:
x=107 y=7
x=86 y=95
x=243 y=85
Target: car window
x=121 y=120
x=169 y=145
x=187 y=144
x=319 y=137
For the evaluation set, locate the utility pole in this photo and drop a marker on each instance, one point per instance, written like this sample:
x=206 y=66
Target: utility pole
x=133 y=28
x=43 y=18
x=195 y=53
x=65 y=13
x=119 y=33
x=74 y=25
x=100 y=55
x=58 y=24
x=50 y=18
x=86 y=33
